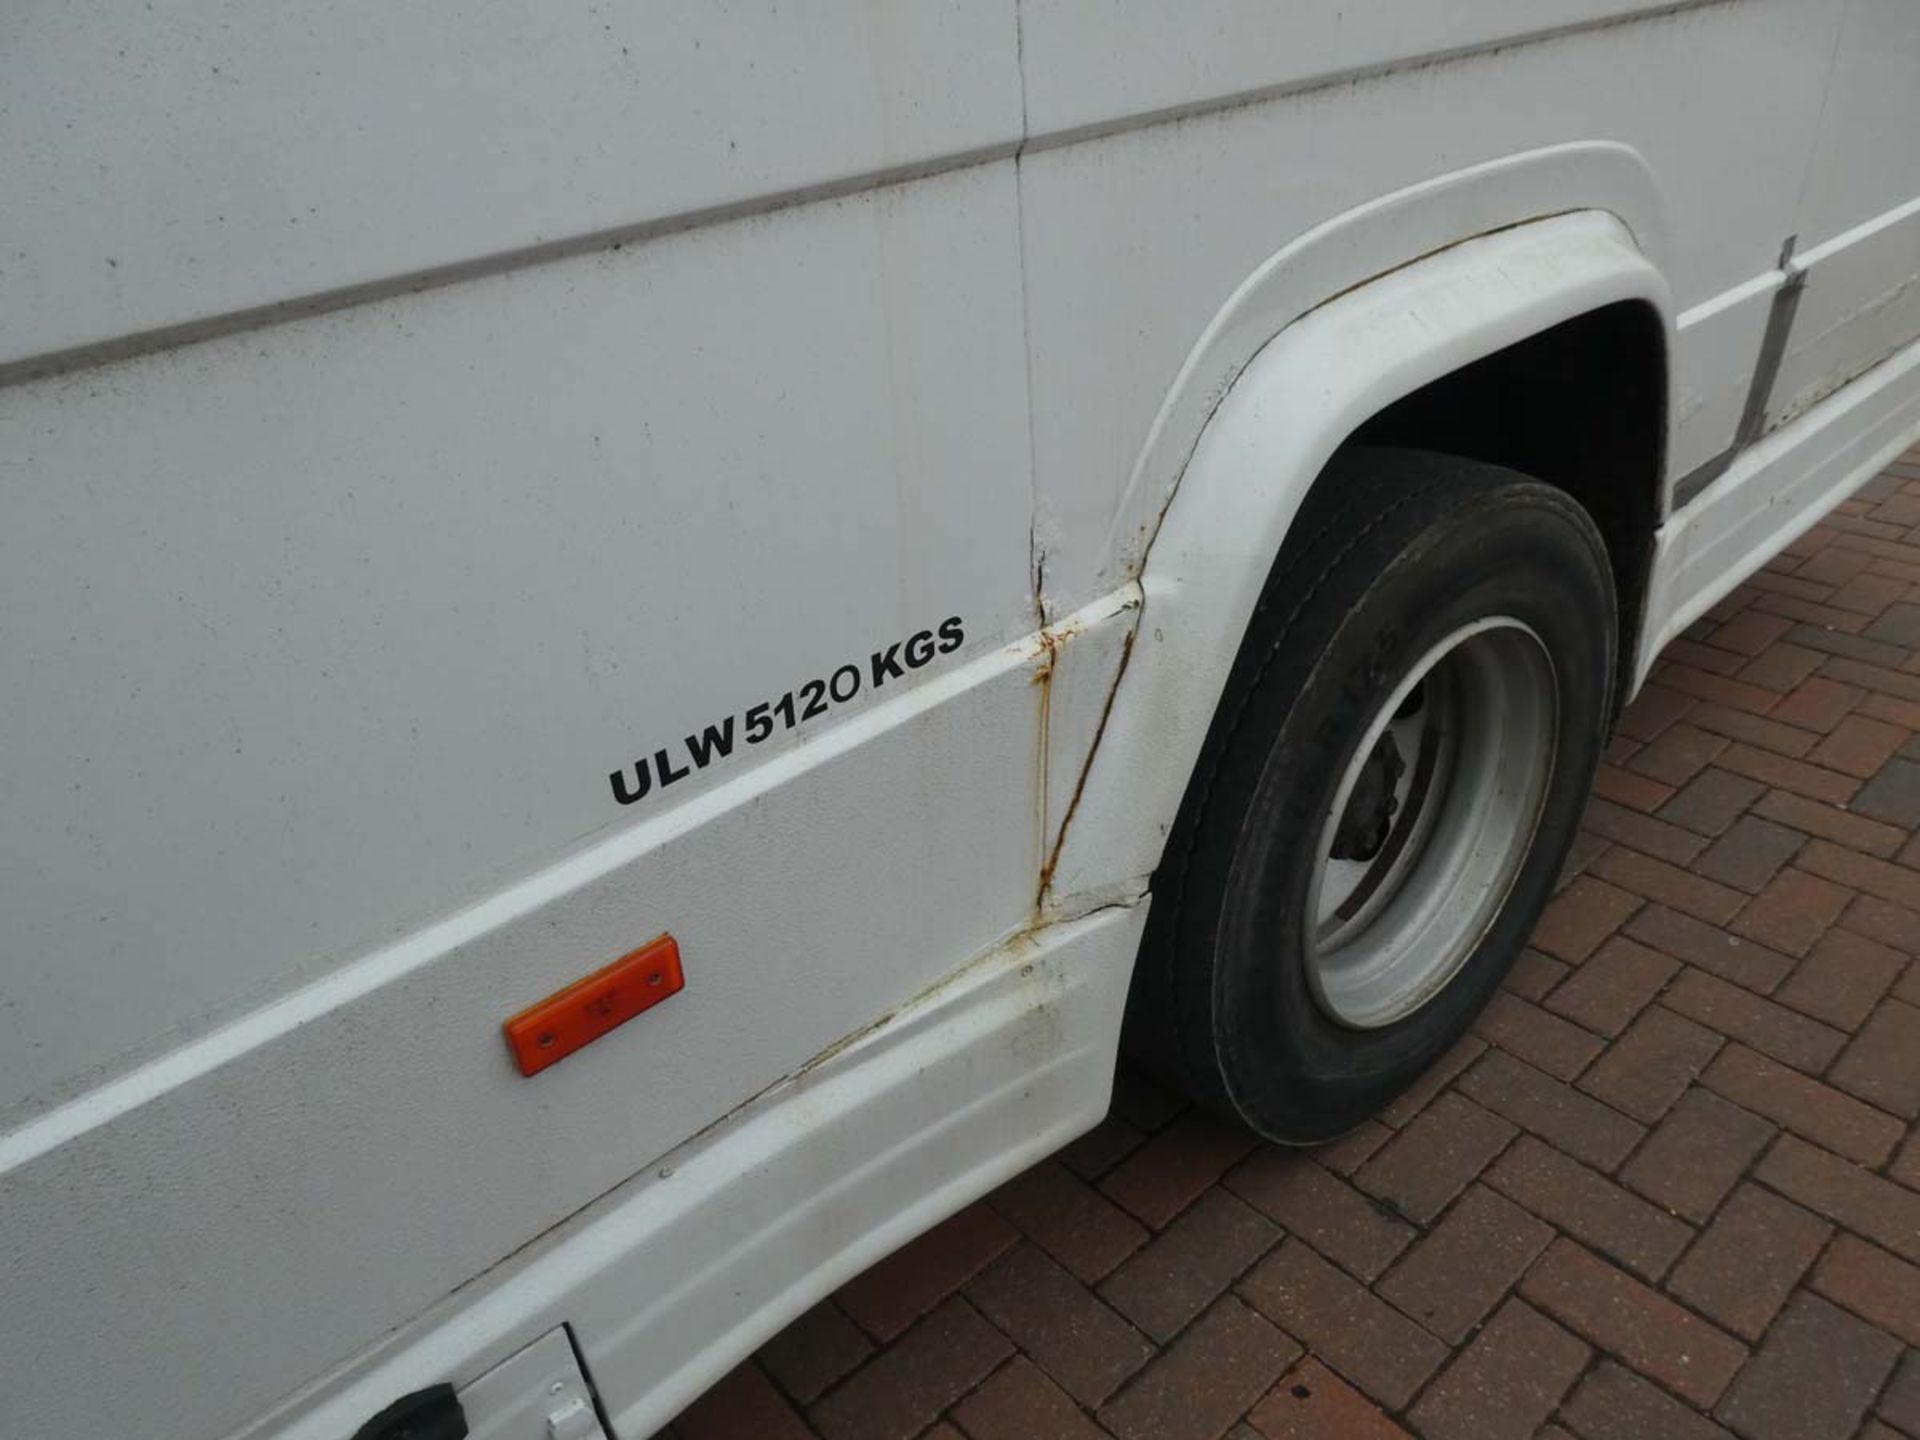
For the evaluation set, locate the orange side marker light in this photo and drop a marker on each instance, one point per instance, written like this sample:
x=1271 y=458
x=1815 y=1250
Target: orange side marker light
x=587 y=1009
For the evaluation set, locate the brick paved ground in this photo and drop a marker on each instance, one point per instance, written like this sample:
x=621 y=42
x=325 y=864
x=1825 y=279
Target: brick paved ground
x=1669 y=1188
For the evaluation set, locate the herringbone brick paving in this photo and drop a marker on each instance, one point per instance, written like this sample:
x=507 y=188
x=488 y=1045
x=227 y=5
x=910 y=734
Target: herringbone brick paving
x=1670 y=1187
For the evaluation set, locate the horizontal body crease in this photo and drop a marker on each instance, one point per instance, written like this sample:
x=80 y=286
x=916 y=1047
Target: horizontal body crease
x=279 y=312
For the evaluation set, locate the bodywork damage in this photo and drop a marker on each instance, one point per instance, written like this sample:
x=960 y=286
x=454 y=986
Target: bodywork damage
x=1078 y=665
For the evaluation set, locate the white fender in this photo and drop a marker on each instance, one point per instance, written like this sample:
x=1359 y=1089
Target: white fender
x=1351 y=249
x=1284 y=415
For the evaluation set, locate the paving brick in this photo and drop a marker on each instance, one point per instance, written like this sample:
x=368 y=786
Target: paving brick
x=1778 y=771
x=1892 y=795
x=1750 y=633
x=1747 y=1262
x=1669 y=885
x=1814 y=1377
x=1845 y=520
x=1659 y=838
x=1615 y=984
x=1698 y=1153
x=1795 y=909
x=1459 y=1272
x=1364 y=1338
x=1829 y=822
x=1020 y=1403
x=1681 y=752
x=1691 y=649
x=1731 y=957
x=1905 y=713
x=1213 y=1373
x=1880 y=1210
x=1313 y=1403
x=1898 y=509
x=1882 y=920
x=1185 y=1269
x=1440 y=1074
x=1590 y=1207
x=898 y=1290
x=1506 y=1383
x=1810 y=612
x=1101 y=1148
x=1778 y=574
x=1638 y=1325
x=1619 y=749
x=1326 y=1212
x=1754 y=731
x=1750 y=854
x=1803 y=1105
x=1653 y=710
x=1874 y=1285
x=1773 y=582
x=1163 y=1176
x=1899 y=627
x=1868 y=594
x=1874 y=677
x=1854 y=646
x=1907 y=988
x=901 y=1391
x=1581 y=917
x=1905 y=1166
x=1900 y=1401
x=1613 y=1403
x=1436 y=1157
x=1353 y=1149
x=1623 y=787
x=1534 y=974
x=1551 y=1109
x=741 y=1405
x=1786 y=1035
x=1703 y=685
x=814 y=1351
x=1882 y=1065
x=1069 y=1219
x=1831 y=566
x=1842 y=979
x=1541 y=1039
x=1781 y=667
x=1649 y=1067
x=1076 y=1339
x=1709 y=803
x=1858 y=746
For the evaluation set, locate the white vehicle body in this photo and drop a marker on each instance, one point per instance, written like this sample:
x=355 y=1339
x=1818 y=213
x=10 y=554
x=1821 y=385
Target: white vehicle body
x=415 y=423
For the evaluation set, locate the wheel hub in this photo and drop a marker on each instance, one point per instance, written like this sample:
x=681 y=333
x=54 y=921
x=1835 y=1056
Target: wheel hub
x=1364 y=827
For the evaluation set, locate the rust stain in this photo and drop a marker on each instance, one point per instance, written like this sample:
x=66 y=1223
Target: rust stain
x=1099 y=731
x=1052 y=642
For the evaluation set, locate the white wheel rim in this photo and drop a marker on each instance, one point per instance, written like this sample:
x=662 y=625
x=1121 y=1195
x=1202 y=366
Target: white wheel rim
x=1385 y=931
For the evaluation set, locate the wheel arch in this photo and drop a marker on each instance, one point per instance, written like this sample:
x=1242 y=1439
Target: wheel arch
x=1375 y=360
x=1579 y=405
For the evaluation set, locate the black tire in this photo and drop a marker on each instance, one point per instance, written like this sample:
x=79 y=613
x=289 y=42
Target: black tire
x=1393 y=552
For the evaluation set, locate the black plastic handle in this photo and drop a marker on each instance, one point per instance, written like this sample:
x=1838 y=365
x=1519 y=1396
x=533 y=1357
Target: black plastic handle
x=430 y=1414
